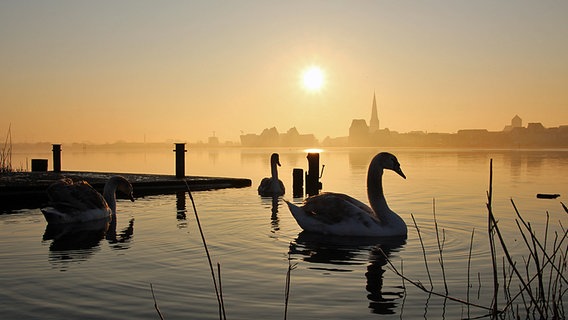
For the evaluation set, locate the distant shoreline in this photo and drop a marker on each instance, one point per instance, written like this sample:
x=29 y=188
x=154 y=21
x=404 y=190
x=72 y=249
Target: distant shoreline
x=141 y=146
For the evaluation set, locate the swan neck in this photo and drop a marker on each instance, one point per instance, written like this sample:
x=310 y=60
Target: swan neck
x=109 y=194
x=274 y=170
x=375 y=191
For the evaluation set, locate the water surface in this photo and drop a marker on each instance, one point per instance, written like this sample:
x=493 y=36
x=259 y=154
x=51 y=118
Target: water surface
x=91 y=274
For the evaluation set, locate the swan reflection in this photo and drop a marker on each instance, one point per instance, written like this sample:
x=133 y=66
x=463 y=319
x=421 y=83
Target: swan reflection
x=73 y=242
x=342 y=254
x=381 y=301
x=273 y=203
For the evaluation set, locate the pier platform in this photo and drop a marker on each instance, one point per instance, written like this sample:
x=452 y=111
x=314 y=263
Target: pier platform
x=19 y=190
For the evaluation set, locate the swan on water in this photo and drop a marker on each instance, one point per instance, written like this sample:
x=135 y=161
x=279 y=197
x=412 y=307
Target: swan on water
x=339 y=214
x=71 y=202
x=272 y=186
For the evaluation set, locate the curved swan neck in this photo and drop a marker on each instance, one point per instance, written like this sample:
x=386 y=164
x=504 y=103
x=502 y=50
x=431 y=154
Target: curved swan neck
x=375 y=189
x=274 y=170
x=109 y=194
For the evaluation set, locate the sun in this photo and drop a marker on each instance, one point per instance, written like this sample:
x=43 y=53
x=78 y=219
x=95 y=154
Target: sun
x=313 y=78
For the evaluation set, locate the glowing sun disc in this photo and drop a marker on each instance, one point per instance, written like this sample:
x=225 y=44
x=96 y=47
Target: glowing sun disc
x=313 y=78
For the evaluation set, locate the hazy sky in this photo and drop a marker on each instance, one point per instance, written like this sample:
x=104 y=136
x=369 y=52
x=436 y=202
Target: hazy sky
x=103 y=71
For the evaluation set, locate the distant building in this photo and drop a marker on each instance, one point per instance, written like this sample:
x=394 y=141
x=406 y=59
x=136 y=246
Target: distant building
x=535 y=127
x=516 y=122
x=293 y=138
x=472 y=132
x=272 y=138
x=358 y=132
x=213 y=141
x=374 y=123
x=361 y=134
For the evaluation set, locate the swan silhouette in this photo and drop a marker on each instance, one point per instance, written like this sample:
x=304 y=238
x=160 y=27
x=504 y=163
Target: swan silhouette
x=272 y=186
x=339 y=214
x=72 y=202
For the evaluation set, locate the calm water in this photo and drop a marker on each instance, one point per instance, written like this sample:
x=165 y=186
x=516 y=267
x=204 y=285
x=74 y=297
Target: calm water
x=71 y=274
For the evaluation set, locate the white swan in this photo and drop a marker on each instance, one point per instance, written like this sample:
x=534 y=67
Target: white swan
x=272 y=186
x=340 y=214
x=79 y=202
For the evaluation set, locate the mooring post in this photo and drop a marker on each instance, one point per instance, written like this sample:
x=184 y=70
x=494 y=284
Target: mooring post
x=180 y=160
x=39 y=165
x=313 y=185
x=56 y=158
x=298 y=183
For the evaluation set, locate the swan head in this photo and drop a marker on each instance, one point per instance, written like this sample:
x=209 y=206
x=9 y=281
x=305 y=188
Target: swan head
x=275 y=159
x=123 y=186
x=389 y=161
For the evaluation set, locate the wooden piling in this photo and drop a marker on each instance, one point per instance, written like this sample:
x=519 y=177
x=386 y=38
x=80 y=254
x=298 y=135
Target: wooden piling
x=39 y=165
x=298 y=183
x=313 y=185
x=56 y=158
x=180 y=160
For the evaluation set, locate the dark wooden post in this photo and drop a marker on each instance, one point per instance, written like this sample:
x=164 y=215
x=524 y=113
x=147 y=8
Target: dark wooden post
x=298 y=183
x=313 y=185
x=39 y=165
x=180 y=160
x=56 y=158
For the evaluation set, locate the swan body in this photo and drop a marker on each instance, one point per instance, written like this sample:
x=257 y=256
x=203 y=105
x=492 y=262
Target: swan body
x=272 y=186
x=339 y=214
x=73 y=202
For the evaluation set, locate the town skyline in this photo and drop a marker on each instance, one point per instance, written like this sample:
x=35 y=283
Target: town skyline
x=363 y=135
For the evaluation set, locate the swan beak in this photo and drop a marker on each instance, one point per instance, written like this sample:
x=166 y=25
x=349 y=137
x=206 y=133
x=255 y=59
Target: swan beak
x=399 y=171
x=131 y=197
x=278 y=163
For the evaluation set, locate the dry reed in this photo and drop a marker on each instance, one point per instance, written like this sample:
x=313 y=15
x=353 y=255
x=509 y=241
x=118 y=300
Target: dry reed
x=287 y=287
x=536 y=292
x=6 y=153
x=218 y=288
x=156 y=303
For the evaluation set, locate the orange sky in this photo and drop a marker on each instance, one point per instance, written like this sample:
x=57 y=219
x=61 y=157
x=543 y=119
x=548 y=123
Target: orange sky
x=103 y=71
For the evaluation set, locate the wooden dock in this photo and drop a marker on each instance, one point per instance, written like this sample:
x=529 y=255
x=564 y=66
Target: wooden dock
x=20 y=190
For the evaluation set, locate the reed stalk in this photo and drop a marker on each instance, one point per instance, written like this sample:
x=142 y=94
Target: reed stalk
x=512 y=264
x=420 y=286
x=543 y=250
x=222 y=314
x=469 y=269
x=542 y=289
x=490 y=232
x=423 y=251
x=287 y=287
x=156 y=303
x=440 y=245
x=221 y=289
x=6 y=154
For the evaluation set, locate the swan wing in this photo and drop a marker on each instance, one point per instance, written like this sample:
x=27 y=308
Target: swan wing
x=282 y=188
x=336 y=214
x=334 y=207
x=68 y=197
x=264 y=185
x=268 y=187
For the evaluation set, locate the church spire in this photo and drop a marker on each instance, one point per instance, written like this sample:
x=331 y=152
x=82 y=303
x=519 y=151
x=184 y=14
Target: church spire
x=374 y=123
